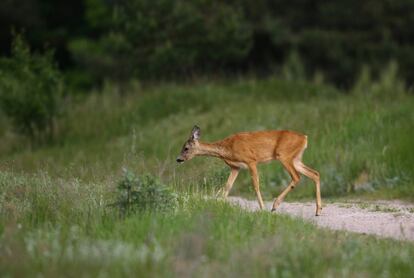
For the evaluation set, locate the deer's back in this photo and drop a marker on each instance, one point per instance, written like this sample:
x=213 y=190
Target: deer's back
x=261 y=146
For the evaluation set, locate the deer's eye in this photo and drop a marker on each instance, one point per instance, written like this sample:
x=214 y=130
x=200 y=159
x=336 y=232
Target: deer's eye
x=185 y=149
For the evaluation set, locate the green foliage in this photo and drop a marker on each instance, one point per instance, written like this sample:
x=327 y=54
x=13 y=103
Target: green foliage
x=118 y=40
x=389 y=82
x=167 y=39
x=144 y=193
x=178 y=37
x=98 y=14
x=293 y=69
x=31 y=90
x=387 y=85
x=364 y=81
x=108 y=58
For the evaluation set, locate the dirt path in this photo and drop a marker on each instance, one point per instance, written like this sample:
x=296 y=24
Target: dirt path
x=392 y=219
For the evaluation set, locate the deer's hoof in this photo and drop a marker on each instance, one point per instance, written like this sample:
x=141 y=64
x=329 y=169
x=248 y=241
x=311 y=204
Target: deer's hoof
x=318 y=212
x=273 y=209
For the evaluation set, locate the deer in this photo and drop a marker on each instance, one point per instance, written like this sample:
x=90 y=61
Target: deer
x=245 y=150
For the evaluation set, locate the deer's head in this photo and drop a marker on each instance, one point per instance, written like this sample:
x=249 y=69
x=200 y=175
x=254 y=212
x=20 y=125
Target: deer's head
x=190 y=146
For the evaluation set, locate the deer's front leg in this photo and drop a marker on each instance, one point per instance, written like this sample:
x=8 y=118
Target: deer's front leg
x=230 y=181
x=255 y=178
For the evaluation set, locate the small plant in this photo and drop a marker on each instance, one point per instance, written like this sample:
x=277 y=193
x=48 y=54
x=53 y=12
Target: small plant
x=144 y=193
x=388 y=84
x=30 y=91
x=293 y=69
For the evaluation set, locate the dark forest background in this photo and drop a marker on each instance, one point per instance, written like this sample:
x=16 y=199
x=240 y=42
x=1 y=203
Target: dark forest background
x=96 y=40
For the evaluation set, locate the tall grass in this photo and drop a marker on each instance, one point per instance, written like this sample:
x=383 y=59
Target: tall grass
x=51 y=230
x=359 y=142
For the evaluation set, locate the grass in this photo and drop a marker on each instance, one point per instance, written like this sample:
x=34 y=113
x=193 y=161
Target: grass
x=360 y=144
x=54 y=213
x=67 y=229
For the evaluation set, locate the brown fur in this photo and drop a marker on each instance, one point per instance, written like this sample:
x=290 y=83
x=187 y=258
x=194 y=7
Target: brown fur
x=247 y=149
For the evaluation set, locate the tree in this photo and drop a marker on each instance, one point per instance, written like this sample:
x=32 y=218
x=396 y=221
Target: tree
x=31 y=89
x=164 y=39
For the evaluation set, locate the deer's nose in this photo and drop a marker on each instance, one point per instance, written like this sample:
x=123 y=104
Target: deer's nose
x=179 y=160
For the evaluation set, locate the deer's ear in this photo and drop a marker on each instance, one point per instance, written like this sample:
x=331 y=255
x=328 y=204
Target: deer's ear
x=195 y=133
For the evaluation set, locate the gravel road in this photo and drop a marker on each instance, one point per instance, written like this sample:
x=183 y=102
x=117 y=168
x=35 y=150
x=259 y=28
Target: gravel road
x=392 y=219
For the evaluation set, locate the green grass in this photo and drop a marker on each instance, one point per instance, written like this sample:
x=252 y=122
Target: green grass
x=360 y=144
x=54 y=213
x=67 y=229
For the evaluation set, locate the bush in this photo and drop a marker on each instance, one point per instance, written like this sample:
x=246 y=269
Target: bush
x=144 y=193
x=30 y=91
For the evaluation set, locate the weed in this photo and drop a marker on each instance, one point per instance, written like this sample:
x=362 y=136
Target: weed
x=144 y=193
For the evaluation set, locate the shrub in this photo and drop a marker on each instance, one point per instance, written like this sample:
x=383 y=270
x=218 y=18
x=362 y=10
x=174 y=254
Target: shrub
x=144 y=193
x=30 y=91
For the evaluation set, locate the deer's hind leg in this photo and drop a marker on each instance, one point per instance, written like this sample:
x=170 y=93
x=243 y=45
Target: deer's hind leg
x=313 y=175
x=289 y=166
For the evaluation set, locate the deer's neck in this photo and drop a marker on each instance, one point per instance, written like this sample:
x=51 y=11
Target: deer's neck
x=212 y=149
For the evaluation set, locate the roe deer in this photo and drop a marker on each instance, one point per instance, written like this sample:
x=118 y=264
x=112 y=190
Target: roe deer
x=247 y=149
